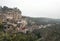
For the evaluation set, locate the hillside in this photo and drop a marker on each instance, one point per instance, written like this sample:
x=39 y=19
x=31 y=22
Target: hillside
x=15 y=27
x=43 y=20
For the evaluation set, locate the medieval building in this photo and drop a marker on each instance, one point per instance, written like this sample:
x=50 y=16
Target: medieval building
x=12 y=20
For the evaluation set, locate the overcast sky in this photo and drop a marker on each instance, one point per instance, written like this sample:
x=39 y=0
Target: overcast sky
x=35 y=8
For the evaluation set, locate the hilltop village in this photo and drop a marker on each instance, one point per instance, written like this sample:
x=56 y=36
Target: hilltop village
x=12 y=19
x=16 y=27
x=14 y=22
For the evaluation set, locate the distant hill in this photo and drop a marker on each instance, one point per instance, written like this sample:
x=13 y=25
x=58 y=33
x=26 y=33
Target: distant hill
x=42 y=20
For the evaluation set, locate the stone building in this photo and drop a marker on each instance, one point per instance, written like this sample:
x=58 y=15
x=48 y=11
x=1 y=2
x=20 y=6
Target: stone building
x=12 y=20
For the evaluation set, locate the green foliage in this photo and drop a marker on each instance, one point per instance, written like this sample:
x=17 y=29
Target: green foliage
x=1 y=27
x=51 y=33
x=37 y=33
x=5 y=8
x=5 y=36
x=16 y=37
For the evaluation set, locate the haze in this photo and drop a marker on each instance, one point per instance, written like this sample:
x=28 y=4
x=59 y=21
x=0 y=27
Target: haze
x=35 y=8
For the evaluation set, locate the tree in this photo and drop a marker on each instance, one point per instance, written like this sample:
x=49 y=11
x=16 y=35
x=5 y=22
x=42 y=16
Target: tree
x=5 y=8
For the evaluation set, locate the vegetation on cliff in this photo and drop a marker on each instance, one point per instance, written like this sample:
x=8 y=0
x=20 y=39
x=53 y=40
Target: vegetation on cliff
x=51 y=33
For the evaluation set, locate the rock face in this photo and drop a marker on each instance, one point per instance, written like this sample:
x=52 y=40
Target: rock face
x=10 y=13
x=12 y=19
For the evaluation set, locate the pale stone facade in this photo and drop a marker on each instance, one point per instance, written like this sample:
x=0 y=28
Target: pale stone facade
x=12 y=20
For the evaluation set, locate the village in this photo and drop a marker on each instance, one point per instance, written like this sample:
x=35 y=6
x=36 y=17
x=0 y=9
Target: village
x=14 y=22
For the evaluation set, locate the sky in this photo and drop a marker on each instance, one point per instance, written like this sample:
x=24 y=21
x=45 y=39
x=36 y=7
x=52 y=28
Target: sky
x=35 y=8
